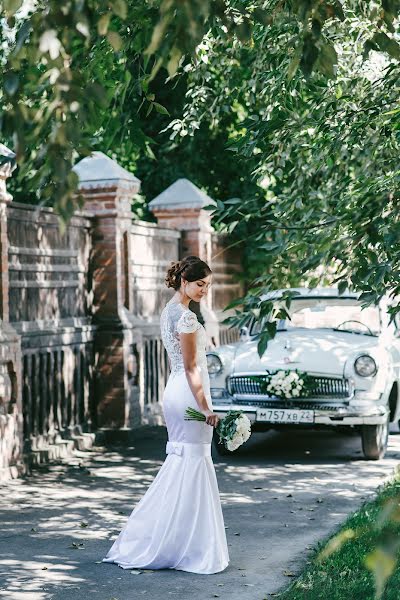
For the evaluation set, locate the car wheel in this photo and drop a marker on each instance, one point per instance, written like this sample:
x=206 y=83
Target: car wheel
x=220 y=449
x=374 y=440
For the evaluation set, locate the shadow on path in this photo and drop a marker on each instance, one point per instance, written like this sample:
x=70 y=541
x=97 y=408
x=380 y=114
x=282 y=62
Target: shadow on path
x=281 y=493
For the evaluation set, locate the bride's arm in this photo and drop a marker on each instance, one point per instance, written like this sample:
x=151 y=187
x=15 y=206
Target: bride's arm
x=188 y=346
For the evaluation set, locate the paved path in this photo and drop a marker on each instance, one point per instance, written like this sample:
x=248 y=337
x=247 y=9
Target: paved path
x=281 y=494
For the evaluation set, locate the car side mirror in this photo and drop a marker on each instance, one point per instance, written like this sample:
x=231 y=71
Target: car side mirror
x=244 y=334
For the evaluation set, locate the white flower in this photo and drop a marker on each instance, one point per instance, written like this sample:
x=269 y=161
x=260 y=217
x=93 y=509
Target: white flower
x=234 y=444
x=241 y=428
x=284 y=384
x=238 y=423
x=53 y=75
x=246 y=435
x=246 y=420
x=230 y=445
x=50 y=43
x=237 y=437
x=242 y=424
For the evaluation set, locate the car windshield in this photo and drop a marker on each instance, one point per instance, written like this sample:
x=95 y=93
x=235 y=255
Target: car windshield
x=342 y=315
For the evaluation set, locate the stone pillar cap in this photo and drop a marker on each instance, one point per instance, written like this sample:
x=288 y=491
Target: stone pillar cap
x=100 y=171
x=181 y=194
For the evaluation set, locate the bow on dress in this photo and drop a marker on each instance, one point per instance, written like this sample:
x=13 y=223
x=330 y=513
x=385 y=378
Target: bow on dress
x=197 y=450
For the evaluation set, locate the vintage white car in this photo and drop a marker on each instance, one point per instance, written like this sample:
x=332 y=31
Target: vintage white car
x=332 y=365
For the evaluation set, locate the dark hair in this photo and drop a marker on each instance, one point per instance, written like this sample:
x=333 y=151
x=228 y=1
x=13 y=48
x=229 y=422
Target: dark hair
x=191 y=267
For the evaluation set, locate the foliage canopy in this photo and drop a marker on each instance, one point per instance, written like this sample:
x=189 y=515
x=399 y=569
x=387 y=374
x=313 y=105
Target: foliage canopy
x=303 y=94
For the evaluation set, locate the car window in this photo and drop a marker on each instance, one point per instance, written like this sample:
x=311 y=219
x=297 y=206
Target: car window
x=347 y=315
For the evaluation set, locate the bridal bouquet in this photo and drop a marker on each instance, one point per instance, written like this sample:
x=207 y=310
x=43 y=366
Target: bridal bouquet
x=233 y=430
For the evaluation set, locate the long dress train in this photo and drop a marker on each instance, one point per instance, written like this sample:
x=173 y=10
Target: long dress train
x=178 y=523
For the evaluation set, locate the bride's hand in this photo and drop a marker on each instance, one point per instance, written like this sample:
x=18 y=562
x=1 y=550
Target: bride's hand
x=211 y=418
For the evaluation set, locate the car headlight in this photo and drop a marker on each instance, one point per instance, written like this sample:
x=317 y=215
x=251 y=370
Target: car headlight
x=214 y=364
x=365 y=366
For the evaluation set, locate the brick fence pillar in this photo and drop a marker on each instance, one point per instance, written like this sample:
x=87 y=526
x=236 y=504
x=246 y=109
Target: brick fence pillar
x=181 y=206
x=11 y=418
x=107 y=190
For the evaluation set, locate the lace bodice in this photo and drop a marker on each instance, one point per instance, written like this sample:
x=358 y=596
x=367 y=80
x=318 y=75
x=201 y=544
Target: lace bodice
x=175 y=319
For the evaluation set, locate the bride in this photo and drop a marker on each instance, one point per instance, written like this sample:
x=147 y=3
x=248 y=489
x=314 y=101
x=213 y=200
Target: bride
x=178 y=523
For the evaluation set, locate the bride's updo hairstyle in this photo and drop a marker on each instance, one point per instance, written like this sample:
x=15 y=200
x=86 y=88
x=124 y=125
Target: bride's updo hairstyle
x=191 y=267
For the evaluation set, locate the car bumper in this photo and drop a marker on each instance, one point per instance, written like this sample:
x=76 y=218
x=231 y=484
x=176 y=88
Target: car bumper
x=374 y=414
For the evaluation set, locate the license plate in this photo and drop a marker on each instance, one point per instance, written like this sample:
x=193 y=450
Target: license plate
x=285 y=415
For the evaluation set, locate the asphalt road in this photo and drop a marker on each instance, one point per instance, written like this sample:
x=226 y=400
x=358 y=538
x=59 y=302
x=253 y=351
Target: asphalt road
x=281 y=493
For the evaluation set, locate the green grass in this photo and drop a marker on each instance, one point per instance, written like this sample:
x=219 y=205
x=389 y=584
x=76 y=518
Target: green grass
x=343 y=574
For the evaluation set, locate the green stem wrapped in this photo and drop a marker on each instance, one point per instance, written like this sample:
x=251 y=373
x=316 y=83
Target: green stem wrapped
x=194 y=415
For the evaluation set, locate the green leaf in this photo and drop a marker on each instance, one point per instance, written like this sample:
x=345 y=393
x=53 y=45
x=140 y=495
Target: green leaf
x=160 y=108
x=156 y=67
x=387 y=44
x=336 y=543
x=115 y=40
x=271 y=328
x=103 y=23
x=236 y=302
x=158 y=33
x=173 y=63
x=97 y=93
x=327 y=59
x=235 y=200
x=270 y=246
x=232 y=226
x=149 y=152
x=338 y=9
x=293 y=65
x=11 y=83
x=11 y=6
x=244 y=30
x=309 y=54
x=382 y=562
x=262 y=16
x=120 y=8
x=263 y=344
x=21 y=36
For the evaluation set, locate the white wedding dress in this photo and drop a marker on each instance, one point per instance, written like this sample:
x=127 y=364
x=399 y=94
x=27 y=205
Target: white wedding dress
x=178 y=523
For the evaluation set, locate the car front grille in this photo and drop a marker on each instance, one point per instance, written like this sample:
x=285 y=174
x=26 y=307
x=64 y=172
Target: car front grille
x=322 y=387
x=297 y=404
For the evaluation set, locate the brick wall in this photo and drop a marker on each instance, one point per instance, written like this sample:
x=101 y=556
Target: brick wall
x=80 y=347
